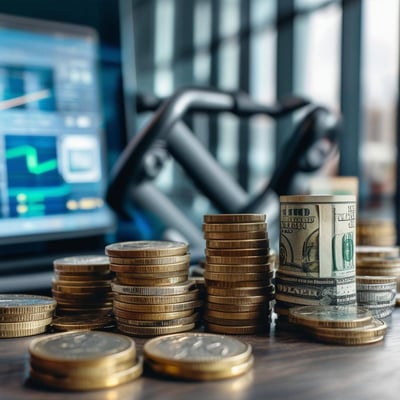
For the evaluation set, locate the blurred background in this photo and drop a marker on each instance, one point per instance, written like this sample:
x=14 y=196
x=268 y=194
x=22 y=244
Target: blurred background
x=343 y=55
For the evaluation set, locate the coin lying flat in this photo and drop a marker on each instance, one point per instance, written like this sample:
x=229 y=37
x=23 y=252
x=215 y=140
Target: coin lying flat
x=180 y=288
x=143 y=248
x=168 y=299
x=377 y=251
x=369 y=333
x=238 y=244
x=245 y=227
x=82 y=322
x=84 y=263
x=200 y=356
x=233 y=218
x=86 y=382
x=202 y=375
x=349 y=316
x=241 y=235
x=197 y=350
x=25 y=303
x=82 y=349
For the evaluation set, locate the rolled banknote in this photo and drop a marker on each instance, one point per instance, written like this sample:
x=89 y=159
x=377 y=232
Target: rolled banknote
x=317 y=236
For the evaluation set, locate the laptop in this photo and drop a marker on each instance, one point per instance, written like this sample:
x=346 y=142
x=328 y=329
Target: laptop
x=52 y=158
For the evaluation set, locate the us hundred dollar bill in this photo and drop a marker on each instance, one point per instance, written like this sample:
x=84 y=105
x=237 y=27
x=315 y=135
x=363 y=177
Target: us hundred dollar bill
x=317 y=236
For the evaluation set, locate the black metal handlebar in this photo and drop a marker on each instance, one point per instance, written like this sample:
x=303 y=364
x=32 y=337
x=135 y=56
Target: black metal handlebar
x=166 y=124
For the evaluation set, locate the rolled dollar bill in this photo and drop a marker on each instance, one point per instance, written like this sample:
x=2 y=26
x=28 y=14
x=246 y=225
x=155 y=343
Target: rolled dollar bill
x=317 y=236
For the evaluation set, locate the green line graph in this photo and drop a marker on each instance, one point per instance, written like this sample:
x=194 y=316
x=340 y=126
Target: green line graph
x=31 y=158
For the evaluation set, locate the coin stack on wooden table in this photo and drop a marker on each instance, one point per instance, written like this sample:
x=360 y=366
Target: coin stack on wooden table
x=198 y=356
x=238 y=274
x=25 y=315
x=152 y=293
x=83 y=360
x=82 y=288
x=379 y=266
x=376 y=232
x=346 y=325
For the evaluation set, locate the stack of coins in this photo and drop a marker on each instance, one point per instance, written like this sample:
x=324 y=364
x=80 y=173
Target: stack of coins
x=377 y=294
x=238 y=274
x=376 y=232
x=379 y=261
x=198 y=356
x=347 y=325
x=317 y=252
x=82 y=285
x=25 y=315
x=152 y=293
x=83 y=360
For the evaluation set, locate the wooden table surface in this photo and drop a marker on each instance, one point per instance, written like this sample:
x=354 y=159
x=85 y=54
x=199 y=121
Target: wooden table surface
x=287 y=366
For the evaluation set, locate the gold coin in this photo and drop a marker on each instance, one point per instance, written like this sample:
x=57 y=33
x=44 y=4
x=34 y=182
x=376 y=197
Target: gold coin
x=235 y=268
x=25 y=317
x=234 y=284
x=87 y=303
x=246 y=227
x=16 y=326
x=236 y=252
x=202 y=375
x=151 y=276
x=157 y=308
x=80 y=349
x=81 y=322
x=241 y=291
x=377 y=251
x=239 y=308
x=64 y=277
x=83 y=283
x=147 y=248
x=62 y=310
x=236 y=277
x=246 y=235
x=180 y=288
x=378 y=262
x=259 y=314
x=122 y=280
x=92 y=290
x=87 y=382
x=171 y=299
x=154 y=331
x=379 y=271
x=236 y=330
x=25 y=304
x=13 y=333
x=108 y=295
x=372 y=280
x=350 y=341
x=84 y=263
x=238 y=244
x=233 y=218
x=192 y=318
x=201 y=351
x=150 y=269
x=262 y=321
x=83 y=269
x=150 y=260
x=237 y=260
x=238 y=300
x=375 y=328
x=350 y=316
x=156 y=316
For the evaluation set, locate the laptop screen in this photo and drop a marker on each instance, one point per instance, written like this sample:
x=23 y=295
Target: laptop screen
x=52 y=176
